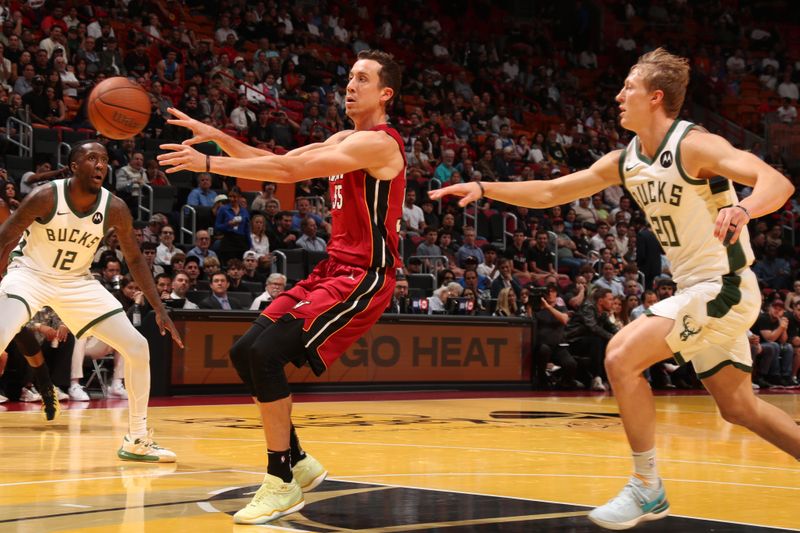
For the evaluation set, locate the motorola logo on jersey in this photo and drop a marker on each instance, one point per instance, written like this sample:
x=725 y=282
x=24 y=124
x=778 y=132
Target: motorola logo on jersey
x=666 y=159
x=97 y=218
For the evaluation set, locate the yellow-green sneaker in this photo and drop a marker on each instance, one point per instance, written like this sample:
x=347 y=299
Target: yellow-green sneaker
x=144 y=449
x=274 y=499
x=309 y=473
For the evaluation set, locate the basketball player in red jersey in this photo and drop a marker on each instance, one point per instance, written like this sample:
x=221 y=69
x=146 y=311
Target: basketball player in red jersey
x=316 y=320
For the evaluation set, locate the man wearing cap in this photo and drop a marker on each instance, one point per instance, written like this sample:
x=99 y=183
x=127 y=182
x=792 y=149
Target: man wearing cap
x=202 y=195
x=772 y=326
x=201 y=250
x=251 y=273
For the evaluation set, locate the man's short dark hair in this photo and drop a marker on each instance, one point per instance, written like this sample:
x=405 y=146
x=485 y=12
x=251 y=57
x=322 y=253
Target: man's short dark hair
x=234 y=263
x=430 y=229
x=285 y=214
x=162 y=276
x=78 y=148
x=600 y=293
x=191 y=259
x=390 y=74
x=220 y=273
x=149 y=246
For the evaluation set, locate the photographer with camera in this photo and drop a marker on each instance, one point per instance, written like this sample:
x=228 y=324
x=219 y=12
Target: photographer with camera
x=589 y=331
x=549 y=349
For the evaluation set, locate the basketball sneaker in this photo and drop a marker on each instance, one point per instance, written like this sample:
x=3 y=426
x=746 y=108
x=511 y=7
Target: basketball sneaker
x=274 y=499
x=117 y=390
x=29 y=395
x=50 y=405
x=77 y=394
x=144 y=449
x=309 y=473
x=634 y=504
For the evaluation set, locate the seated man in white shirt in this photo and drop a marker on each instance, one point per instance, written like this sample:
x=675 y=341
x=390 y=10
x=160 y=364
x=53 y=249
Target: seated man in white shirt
x=276 y=283
x=413 y=215
x=180 y=286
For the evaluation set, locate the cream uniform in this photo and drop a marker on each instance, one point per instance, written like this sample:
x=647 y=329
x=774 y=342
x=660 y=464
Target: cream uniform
x=50 y=265
x=717 y=299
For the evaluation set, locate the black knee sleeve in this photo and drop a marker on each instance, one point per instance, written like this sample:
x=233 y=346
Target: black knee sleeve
x=242 y=350
x=279 y=344
x=26 y=342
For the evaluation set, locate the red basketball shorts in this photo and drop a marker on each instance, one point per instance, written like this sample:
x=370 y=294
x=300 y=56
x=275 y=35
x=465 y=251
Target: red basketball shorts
x=338 y=304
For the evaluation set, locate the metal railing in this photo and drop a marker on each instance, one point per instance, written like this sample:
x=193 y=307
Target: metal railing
x=278 y=255
x=432 y=263
x=431 y=183
x=62 y=154
x=191 y=212
x=149 y=208
x=506 y=233
x=471 y=215
x=22 y=136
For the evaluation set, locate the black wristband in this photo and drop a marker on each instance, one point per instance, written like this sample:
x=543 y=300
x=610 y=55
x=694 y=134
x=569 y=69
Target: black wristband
x=208 y=163
x=743 y=208
x=480 y=186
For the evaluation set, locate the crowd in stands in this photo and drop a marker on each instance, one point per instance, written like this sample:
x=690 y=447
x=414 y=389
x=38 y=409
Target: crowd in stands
x=487 y=95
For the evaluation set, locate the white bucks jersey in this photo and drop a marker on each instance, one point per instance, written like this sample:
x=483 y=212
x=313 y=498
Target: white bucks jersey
x=682 y=210
x=64 y=242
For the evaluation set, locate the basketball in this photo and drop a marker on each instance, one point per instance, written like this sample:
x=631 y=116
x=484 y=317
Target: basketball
x=119 y=108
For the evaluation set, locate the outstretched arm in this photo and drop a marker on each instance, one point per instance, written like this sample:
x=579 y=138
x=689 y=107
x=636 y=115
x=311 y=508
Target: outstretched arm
x=541 y=194
x=706 y=155
x=232 y=146
x=371 y=150
x=38 y=204
x=120 y=219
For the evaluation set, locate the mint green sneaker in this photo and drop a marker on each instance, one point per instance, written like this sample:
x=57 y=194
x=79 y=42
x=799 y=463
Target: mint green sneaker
x=309 y=473
x=144 y=449
x=636 y=503
x=272 y=500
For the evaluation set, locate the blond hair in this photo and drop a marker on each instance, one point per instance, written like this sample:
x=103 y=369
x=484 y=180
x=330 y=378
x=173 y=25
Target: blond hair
x=668 y=73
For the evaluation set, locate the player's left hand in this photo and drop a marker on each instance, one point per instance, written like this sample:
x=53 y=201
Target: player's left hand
x=182 y=157
x=165 y=323
x=470 y=191
x=729 y=224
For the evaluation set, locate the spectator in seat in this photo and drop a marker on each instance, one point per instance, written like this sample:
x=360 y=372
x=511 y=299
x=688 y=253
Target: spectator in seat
x=219 y=294
x=283 y=237
x=130 y=179
x=507 y=303
x=505 y=279
x=180 y=287
x=233 y=223
x=445 y=169
x=267 y=193
x=166 y=249
x=489 y=267
x=202 y=195
x=96 y=349
x=551 y=321
x=259 y=241
x=276 y=284
x=608 y=280
x=468 y=248
x=235 y=270
x=589 y=331
x=772 y=326
x=648 y=298
x=282 y=129
x=400 y=301
x=242 y=117
x=428 y=247
x=309 y=239
x=191 y=268
x=412 y=214
x=149 y=254
x=251 y=272
x=201 y=249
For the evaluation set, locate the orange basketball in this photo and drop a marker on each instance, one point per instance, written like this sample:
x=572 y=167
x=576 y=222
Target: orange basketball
x=119 y=108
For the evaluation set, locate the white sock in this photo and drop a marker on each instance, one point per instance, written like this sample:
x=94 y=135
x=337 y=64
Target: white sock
x=644 y=466
x=138 y=426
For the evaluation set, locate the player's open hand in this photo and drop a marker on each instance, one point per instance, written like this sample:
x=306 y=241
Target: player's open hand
x=202 y=132
x=470 y=191
x=165 y=323
x=730 y=223
x=183 y=157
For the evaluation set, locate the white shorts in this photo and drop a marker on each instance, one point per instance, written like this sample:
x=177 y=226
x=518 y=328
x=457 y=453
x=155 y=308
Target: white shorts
x=711 y=322
x=80 y=303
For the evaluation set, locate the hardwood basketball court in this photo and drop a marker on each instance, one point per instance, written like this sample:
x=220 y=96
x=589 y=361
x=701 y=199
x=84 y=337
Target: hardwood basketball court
x=451 y=462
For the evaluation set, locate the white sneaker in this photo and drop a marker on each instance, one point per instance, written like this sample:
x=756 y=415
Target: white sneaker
x=597 y=384
x=309 y=473
x=61 y=395
x=3 y=399
x=144 y=449
x=272 y=500
x=117 y=391
x=77 y=394
x=636 y=503
x=30 y=394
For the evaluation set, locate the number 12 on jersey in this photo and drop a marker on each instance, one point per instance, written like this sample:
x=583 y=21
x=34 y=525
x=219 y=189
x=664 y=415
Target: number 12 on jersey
x=336 y=201
x=67 y=259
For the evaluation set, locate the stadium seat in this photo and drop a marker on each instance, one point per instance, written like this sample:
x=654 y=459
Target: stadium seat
x=425 y=282
x=197 y=296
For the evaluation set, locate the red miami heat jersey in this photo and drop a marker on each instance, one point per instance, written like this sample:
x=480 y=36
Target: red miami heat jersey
x=366 y=215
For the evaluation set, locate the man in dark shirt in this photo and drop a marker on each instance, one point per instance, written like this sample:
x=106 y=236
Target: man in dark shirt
x=541 y=260
x=589 y=331
x=551 y=320
x=518 y=252
x=284 y=237
x=772 y=327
